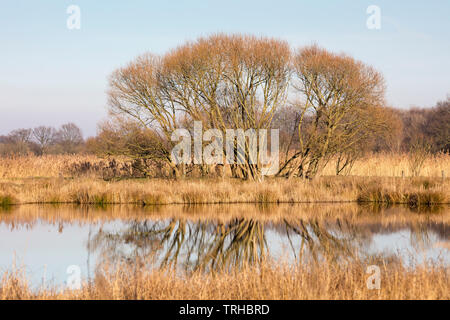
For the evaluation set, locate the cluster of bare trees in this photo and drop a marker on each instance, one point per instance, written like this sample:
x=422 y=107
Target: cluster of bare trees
x=427 y=127
x=246 y=82
x=225 y=82
x=325 y=105
x=43 y=140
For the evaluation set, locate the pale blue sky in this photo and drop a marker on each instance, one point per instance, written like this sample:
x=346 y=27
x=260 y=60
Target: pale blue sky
x=51 y=75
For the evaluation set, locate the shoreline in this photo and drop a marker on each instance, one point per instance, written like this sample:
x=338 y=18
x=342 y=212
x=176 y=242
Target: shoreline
x=413 y=192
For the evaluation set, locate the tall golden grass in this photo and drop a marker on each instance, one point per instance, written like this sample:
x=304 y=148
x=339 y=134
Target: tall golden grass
x=376 y=179
x=393 y=164
x=266 y=281
x=415 y=192
x=40 y=166
x=371 y=165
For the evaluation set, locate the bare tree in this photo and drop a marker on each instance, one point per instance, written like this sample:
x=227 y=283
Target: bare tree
x=437 y=126
x=338 y=97
x=69 y=137
x=230 y=82
x=223 y=81
x=418 y=153
x=379 y=128
x=137 y=91
x=20 y=135
x=18 y=142
x=44 y=137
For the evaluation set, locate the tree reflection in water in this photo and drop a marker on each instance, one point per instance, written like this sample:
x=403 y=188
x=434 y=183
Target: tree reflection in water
x=210 y=238
x=211 y=245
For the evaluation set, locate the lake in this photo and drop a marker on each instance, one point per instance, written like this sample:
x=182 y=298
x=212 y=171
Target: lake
x=47 y=240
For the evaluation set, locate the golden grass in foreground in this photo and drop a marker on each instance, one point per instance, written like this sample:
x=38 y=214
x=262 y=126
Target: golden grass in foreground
x=322 y=281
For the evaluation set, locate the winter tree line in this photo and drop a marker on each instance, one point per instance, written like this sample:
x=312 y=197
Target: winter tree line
x=67 y=139
x=410 y=127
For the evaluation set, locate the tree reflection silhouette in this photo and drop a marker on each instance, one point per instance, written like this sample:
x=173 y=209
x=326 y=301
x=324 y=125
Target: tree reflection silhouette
x=212 y=245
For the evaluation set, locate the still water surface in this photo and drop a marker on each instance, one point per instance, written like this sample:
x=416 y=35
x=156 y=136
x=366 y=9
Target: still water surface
x=46 y=240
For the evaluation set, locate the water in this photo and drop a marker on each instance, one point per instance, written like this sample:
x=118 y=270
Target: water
x=47 y=240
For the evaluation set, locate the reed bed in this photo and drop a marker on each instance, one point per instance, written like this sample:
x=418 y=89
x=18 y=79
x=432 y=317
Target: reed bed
x=415 y=192
x=394 y=165
x=371 y=165
x=41 y=166
x=52 y=179
x=266 y=281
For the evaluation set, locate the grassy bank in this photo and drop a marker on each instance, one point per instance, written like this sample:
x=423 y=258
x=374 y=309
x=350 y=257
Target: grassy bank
x=414 y=192
x=149 y=192
x=267 y=281
x=377 y=178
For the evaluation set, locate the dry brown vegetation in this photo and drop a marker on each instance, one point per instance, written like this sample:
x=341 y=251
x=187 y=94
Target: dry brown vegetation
x=267 y=281
x=68 y=166
x=149 y=192
x=332 y=114
x=91 y=180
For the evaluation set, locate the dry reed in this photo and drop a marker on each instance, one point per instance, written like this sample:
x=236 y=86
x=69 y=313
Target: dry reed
x=46 y=180
x=267 y=281
x=418 y=191
x=371 y=165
